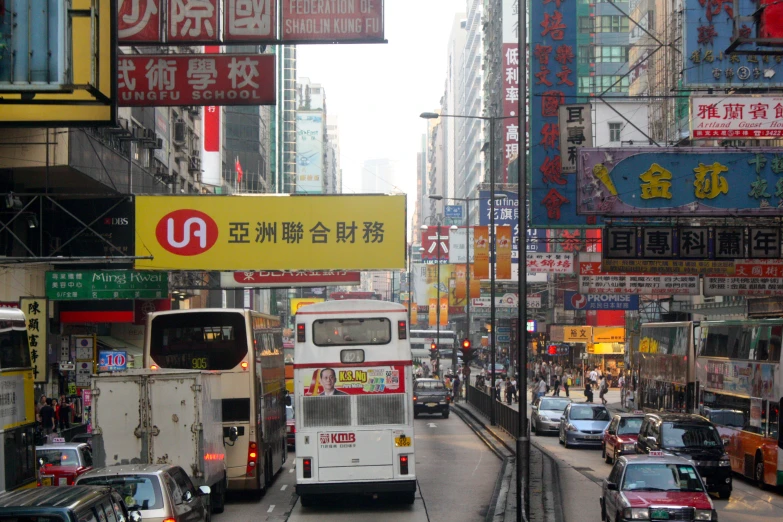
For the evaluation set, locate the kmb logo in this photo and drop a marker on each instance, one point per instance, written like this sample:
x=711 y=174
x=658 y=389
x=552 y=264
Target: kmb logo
x=187 y=232
x=338 y=438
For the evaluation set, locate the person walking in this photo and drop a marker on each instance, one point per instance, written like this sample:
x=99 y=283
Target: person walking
x=603 y=387
x=497 y=390
x=566 y=379
x=456 y=385
x=514 y=390
x=594 y=376
x=47 y=417
x=508 y=390
x=621 y=384
x=541 y=389
x=588 y=392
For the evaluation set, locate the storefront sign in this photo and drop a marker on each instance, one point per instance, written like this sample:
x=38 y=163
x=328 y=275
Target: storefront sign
x=230 y=233
x=505 y=301
x=593 y=279
x=607 y=348
x=550 y=263
x=634 y=182
x=298 y=303
x=708 y=28
x=196 y=79
x=289 y=278
x=577 y=301
x=577 y=334
x=112 y=361
x=36 y=317
x=608 y=334
x=757 y=278
x=667 y=266
x=510 y=79
x=69 y=285
x=534 y=301
x=755 y=117
x=360 y=380
x=576 y=131
x=332 y=22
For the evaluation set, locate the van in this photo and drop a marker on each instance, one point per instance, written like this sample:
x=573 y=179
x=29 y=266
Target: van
x=71 y=504
x=693 y=437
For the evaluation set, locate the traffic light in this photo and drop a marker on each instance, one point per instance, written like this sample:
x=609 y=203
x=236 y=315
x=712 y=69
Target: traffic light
x=433 y=351
x=468 y=354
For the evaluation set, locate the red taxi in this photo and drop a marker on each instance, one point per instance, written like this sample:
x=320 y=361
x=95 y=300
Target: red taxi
x=655 y=487
x=61 y=462
x=621 y=434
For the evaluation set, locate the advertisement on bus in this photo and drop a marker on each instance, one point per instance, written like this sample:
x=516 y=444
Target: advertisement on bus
x=360 y=380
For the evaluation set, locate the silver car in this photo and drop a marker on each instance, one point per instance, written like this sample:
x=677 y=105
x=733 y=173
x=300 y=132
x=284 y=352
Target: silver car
x=583 y=425
x=161 y=492
x=546 y=414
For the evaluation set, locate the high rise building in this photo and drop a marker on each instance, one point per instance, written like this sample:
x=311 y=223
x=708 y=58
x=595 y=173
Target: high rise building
x=285 y=119
x=311 y=141
x=454 y=87
x=333 y=177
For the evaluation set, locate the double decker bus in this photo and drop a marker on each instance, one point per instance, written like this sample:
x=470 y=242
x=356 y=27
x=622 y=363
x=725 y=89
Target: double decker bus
x=354 y=400
x=738 y=367
x=17 y=405
x=247 y=348
x=667 y=379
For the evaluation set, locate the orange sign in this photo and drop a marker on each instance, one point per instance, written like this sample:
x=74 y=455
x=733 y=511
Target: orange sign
x=414 y=314
x=503 y=252
x=444 y=311
x=475 y=284
x=461 y=289
x=433 y=311
x=481 y=252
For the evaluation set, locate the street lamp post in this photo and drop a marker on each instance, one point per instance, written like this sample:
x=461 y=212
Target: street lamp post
x=439 y=223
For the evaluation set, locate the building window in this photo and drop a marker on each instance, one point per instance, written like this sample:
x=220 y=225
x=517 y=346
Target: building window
x=611 y=53
x=614 y=132
x=611 y=84
x=585 y=54
x=585 y=85
x=611 y=24
x=585 y=24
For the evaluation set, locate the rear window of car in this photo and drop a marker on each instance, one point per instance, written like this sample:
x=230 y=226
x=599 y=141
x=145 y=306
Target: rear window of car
x=589 y=413
x=138 y=491
x=430 y=385
x=58 y=457
x=553 y=405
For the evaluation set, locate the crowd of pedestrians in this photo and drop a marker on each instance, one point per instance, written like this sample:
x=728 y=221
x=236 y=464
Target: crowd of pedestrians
x=53 y=415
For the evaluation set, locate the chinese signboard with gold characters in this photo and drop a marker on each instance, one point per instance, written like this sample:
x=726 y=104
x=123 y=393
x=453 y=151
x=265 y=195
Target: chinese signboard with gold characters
x=35 y=313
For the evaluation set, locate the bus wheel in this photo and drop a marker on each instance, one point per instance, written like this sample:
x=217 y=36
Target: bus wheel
x=758 y=470
x=307 y=500
x=219 y=497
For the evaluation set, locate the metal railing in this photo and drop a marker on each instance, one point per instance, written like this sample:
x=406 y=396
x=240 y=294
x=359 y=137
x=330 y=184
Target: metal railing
x=506 y=417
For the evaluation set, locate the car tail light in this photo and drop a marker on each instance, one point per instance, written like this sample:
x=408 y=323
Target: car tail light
x=169 y=520
x=300 y=333
x=403 y=464
x=402 y=331
x=252 y=459
x=307 y=468
x=448 y=398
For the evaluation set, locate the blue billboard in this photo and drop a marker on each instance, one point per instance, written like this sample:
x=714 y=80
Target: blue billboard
x=577 y=301
x=507 y=213
x=115 y=361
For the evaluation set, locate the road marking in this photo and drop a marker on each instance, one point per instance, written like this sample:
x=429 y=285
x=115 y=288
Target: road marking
x=432 y=425
x=270 y=508
x=291 y=470
x=283 y=488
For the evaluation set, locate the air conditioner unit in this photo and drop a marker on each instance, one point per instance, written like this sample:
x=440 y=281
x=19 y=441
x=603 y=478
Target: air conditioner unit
x=180 y=132
x=194 y=165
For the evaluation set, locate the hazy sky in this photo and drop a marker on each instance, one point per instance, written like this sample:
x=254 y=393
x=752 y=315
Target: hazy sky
x=378 y=91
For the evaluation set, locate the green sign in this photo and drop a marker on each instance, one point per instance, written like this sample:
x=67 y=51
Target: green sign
x=69 y=285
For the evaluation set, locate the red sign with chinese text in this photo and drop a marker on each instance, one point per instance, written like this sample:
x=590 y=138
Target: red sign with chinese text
x=249 y=20
x=139 y=21
x=192 y=21
x=510 y=105
x=332 y=21
x=272 y=278
x=196 y=79
x=433 y=248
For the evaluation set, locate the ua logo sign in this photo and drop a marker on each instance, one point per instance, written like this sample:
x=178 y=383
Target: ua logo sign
x=186 y=232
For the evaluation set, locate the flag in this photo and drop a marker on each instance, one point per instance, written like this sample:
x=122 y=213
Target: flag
x=238 y=168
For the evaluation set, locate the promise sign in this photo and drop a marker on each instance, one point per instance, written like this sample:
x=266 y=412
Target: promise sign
x=332 y=20
x=196 y=79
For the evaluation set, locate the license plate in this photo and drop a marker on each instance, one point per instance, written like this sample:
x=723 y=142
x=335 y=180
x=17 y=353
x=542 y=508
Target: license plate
x=432 y=404
x=46 y=481
x=659 y=514
x=402 y=441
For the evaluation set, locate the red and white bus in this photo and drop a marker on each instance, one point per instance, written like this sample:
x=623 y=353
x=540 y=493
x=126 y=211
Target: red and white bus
x=247 y=348
x=353 y=400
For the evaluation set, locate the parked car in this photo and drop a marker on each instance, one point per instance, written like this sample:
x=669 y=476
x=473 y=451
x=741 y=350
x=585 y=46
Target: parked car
x=290 y=427
x=692 y=437
x=61 y=462
x=431 y=396
x=620 y=436
x=657 y=487
x=546 y=414
x=583 y=425
x=500 y=371
x=160 y=492
x=74 y=504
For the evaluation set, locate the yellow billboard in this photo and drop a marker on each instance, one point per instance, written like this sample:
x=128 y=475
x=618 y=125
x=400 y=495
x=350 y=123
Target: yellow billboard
x=608 y=334
x=577 y=334
x=271 y=232
x=91 y=97
x=299 y=302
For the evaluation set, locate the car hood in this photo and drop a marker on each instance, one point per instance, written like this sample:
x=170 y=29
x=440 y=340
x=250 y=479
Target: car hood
x=642 y=499
x=699 y=454
x=589 y=425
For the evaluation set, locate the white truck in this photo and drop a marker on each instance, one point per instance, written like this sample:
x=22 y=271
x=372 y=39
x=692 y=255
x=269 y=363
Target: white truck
x=162 y=417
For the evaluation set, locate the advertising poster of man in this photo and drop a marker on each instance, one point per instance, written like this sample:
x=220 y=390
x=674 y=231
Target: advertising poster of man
x=324 y=382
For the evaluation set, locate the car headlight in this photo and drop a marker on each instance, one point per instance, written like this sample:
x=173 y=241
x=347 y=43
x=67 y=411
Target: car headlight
x=636 y=513
x=543 y=418
x=570 y=427
x=629 y=446
x=724 y=461
x=702 y=514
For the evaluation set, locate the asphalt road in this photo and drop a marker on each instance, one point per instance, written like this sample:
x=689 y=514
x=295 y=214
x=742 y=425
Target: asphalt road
x=456 y=474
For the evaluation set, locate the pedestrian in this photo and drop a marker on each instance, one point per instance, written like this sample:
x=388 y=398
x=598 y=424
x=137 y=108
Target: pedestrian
x=65 y=413
x=603 y=387
x=456 y=384
x=594 y=375
x=588 y=392
x=514 y=390
x=566 y=381
x=508 y=390
x=47 y=417
x=621 y=384
x=542 y=389
x=497 y=390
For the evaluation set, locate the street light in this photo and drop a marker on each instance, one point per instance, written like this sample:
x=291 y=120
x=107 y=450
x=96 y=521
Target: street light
x=491 y=120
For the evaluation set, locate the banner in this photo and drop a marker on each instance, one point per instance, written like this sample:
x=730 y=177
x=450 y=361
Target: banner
x=271 y=232
x=444 y=310
x=736 y=116
x=461 y=290
x=352 y=380
x=414 y=313
x=577 y=301
x=36 y=317
x=475 y=284
x=433 y=309
x=329 y=22
x=503 y=252
x=481 y=252
x=289 y=278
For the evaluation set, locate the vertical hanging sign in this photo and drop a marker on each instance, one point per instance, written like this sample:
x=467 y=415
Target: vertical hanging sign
x=503 y=249
x=433 y=310
x=510 y=59
x=36 y=315
x=444 y=311
x=576 y=131
x=211 y=164
x=552 y=84
x=481 y=252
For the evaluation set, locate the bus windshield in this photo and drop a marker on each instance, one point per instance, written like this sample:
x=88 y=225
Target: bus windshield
x=14 y=352
x=199 y=341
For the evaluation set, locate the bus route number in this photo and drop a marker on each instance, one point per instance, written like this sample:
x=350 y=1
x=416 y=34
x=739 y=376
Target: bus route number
x=199 y=363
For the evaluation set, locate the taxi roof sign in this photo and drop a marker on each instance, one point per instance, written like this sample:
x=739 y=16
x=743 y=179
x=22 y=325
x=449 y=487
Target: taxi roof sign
x=58 y=440
x=638 y=412
x=657 y=453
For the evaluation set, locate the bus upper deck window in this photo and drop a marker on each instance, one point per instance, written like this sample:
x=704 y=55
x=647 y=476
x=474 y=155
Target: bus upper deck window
x=300 y=333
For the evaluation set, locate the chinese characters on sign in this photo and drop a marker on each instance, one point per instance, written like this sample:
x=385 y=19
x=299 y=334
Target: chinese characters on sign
x=576 y=131
x=550 y=263
x=506 y=213
x=708 y=28
x=680 y=182
x=757 y=278
x=594 y=280
x=736 y=116
x=577 y=301
x=139 y=21
x=435 y=242
x=510 y=93
x=196 y=79
x=330 y=21
x=106 y=284
x=36 y=316
x=289 y=278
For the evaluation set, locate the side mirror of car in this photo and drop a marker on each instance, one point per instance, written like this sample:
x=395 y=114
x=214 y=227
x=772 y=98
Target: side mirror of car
x=188 y=496
x=611 y=486
x=204 y=490
x=135 y=516
x=651 y=442
x=40 y=462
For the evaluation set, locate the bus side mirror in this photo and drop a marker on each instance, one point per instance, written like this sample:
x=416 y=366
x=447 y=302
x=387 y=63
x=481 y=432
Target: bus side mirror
x=288 y=400
x=233 y=434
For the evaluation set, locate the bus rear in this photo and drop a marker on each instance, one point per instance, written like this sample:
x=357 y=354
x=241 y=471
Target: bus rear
x=353 y=399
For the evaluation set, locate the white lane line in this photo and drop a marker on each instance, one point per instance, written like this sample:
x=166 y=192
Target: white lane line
x=283 y=488
x=432 y=425
x=291 y=470
x=270 y=508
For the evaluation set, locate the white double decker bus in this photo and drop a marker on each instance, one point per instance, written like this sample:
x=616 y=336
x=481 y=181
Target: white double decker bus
x=353 y=386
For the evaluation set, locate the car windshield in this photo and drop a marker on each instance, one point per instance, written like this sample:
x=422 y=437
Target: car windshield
x=661 y=477
x=430 y=385
x=629 y=426
x=677 y=435
x=138 y=491
x=589 y=413
x=58 y=457
x=553 y=404
x=289 y=413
